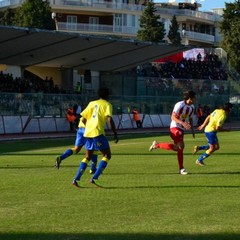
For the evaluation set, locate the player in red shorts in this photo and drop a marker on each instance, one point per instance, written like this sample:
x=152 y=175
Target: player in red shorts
x=181 y=120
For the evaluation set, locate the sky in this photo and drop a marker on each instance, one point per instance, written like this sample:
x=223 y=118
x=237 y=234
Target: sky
x=207 y=5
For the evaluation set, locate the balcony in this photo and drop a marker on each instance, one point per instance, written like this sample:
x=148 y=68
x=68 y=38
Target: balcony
x=98 y=4
x=106 y=6
x=189 y=13
x=8 y=3
x=196 y=36
x=98 y=28
x=124 y=31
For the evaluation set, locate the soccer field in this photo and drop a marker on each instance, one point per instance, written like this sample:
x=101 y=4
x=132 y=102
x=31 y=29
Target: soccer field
x=144 y=197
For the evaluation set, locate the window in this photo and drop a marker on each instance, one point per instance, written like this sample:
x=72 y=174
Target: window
x=72 y=22
x=93 y=21
x=184 y=26
x=133 y=20
x=118 y=22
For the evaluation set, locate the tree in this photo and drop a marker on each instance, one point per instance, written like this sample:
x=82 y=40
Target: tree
x=230 y=28
x=151 y=28
x=34 y=14
x=173 y=34
x=7 y=17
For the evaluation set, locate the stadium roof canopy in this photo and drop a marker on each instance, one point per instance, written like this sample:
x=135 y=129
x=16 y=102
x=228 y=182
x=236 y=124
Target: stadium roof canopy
x=33 y=47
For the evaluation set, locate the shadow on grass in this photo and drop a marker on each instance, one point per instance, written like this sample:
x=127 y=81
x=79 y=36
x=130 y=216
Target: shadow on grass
x=31 y=154
x=33 y=144
x=29 y=167
x=8 y=166
x=90 y=236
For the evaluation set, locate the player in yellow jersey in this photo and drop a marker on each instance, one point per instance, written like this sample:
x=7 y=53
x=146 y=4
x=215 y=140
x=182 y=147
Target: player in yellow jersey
x=212 y=124
x=79 y=143
x=95 y=116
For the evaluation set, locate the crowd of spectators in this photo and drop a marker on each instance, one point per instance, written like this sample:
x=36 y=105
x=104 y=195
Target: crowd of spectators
x=186 y=74
x=209 y=67
x=26 y=85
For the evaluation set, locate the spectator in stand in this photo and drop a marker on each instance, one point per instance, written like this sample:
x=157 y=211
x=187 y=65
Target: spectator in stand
x=78 y=89
x=199 y=57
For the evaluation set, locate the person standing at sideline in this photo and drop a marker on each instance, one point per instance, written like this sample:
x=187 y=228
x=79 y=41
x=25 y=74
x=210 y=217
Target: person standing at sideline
x=136 y=117
x=181 y=119
x=95 y=116
x=77 y=110
x=70 y=116
x=79 y=143
x=212 y=124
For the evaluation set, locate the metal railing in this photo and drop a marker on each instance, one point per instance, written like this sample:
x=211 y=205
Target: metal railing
x=199 y=36
x=97 y=28
x=189 y=13
x=8 y=3
x=56 y=105
x=99 y=4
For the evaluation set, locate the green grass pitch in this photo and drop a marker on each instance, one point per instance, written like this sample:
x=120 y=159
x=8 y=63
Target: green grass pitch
x=144 y=198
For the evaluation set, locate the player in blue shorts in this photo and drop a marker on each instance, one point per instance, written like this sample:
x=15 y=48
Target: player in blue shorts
x=79 y=143
x=213 y=123
x=96 y=115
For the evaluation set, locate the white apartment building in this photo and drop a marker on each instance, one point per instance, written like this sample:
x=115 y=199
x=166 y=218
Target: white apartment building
x=120 y=18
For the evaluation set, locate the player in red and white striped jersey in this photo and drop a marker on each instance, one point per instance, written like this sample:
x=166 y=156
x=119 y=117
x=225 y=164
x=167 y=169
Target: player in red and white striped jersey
x=181 y=119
